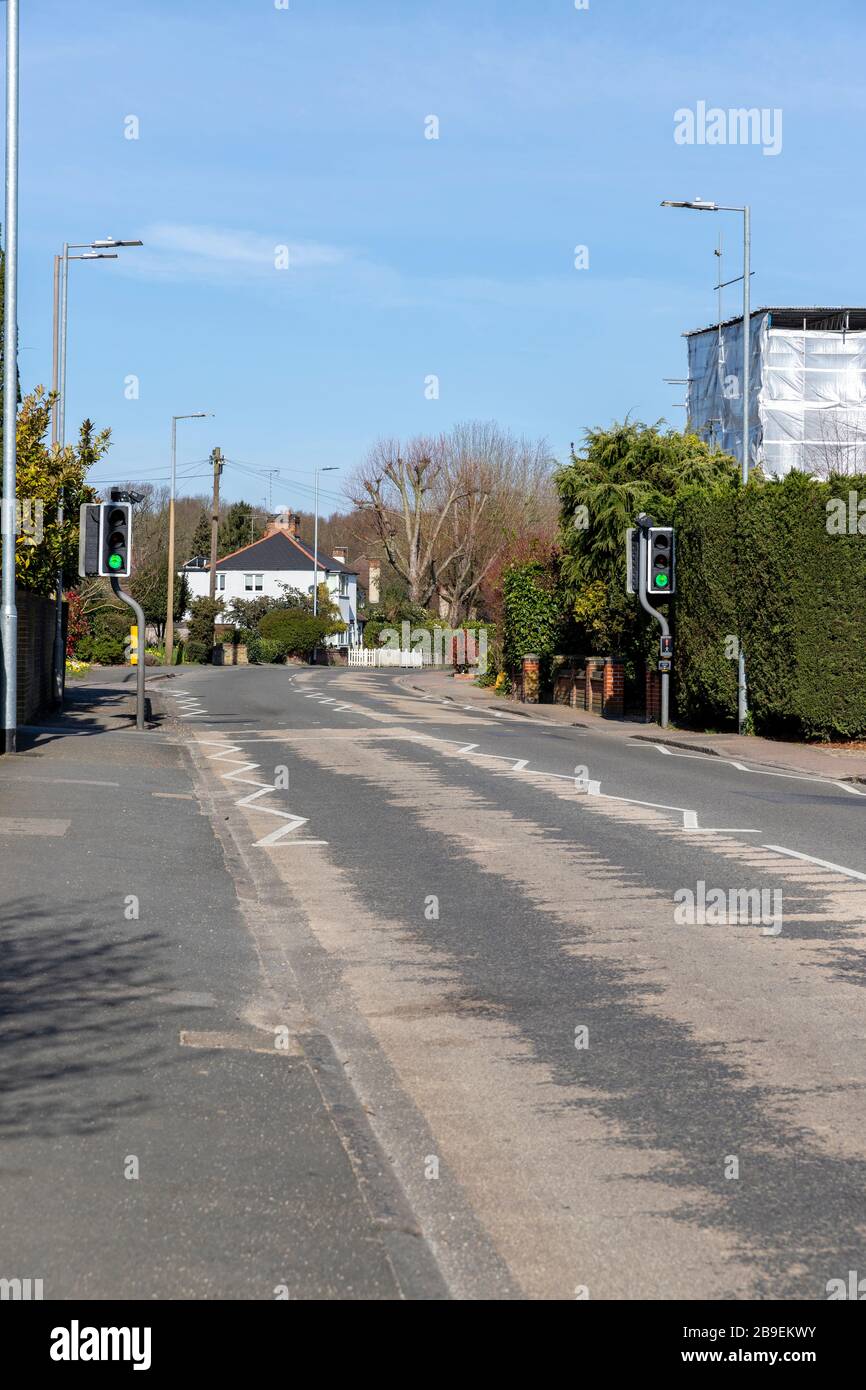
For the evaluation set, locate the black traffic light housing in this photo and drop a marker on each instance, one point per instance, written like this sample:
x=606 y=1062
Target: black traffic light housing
x=115 y=540
x=661 y=576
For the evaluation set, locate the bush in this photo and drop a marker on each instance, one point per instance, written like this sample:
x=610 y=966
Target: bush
x=265 y=651
x=198 y=653
x=295 y=632
x=104 y=651
x=203 y=615
x=535 y=612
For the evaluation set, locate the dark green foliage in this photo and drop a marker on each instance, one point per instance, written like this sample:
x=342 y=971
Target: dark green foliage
x=203 y=615
x=200 y=544
x=236 y=530
x=265 y=650
x=105 y=651
x=705 y=612
x=620 y=472
x=197 y=653
x=801 y=595
x=297 y=633
x=535 y=612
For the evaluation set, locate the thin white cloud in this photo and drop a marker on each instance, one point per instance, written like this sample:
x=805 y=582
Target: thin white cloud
x=180 y=251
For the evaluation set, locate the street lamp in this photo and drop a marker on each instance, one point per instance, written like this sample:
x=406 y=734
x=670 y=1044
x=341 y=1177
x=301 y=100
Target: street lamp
x=332 y=469
x=169 y=606
x=704 y=205
x=91 y=251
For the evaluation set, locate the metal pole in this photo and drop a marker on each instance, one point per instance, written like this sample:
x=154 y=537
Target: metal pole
x=742 y=698
x=64 y=301
x=59 y=648
x=10 y=386
x=60 y=430
x=316 y=550
x=55 y=353
x=139 y=618
x=169 y=607
x=660 y=619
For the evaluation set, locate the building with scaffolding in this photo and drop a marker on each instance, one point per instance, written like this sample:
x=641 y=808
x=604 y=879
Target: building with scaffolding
x=807 y=388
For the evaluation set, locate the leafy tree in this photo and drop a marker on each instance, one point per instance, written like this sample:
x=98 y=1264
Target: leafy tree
x=200 y=544
x=622 y=471
x=149 y=585
x=203 y=615
x=44 y=477
x=236 y=529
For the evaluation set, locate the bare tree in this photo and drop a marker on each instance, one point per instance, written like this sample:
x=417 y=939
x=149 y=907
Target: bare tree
x=502 y=487
x=397 y=485
x=839 y=446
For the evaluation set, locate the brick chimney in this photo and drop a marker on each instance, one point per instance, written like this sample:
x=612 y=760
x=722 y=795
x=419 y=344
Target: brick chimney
x=286 y=521
x=341 y=553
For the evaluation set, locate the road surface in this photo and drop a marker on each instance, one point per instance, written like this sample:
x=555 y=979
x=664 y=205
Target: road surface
x=579 y=1090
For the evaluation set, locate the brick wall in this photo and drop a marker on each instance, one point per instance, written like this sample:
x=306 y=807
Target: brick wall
x=35 y=653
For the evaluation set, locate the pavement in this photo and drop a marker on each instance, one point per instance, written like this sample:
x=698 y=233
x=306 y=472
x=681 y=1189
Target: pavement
x=164 y=1133
x=521 y=1057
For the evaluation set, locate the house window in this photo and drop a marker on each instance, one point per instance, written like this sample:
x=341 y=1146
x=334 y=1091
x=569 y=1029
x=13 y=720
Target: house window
x=253 y=583
x=344 y=586
x=221 y=583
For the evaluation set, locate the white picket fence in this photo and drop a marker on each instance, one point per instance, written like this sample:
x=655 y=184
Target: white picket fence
x=384 y=656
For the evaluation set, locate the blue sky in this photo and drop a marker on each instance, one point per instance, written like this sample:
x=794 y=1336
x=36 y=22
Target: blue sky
x=263 y=127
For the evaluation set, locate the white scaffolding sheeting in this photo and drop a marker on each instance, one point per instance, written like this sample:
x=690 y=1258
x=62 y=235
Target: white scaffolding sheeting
x=808 y=395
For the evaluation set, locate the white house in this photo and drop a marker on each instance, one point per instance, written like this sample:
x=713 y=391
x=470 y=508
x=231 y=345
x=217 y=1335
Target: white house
x=279 y=558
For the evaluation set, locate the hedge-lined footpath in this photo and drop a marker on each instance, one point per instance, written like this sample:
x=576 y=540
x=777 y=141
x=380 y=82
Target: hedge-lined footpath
x=771 y=562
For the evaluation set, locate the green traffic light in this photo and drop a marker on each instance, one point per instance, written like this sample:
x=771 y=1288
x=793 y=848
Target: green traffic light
x=661 y=580
x=115 y=562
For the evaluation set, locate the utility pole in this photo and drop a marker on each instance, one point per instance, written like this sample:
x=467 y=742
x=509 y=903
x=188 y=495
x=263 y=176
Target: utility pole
x=217 y=460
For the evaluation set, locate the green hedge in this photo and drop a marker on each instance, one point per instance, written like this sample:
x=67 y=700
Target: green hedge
x=535 y=612
x=762 y=562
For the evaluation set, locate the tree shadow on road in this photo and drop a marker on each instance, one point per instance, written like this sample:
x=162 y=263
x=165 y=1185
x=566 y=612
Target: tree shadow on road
x=77 y=1026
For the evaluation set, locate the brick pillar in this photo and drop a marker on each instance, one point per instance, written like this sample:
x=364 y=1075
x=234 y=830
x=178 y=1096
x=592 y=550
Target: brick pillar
x=530 y=678
x=653 y=688
x=614 y=688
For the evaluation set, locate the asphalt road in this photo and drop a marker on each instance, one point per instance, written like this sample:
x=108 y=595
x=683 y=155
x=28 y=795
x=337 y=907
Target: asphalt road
x=579 y=1092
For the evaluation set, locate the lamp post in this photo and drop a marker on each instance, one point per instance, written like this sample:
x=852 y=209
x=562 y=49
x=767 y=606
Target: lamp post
x=169 y=606
x=703 y=205
x=332 y=469
x=10 y=386
x=90 y=251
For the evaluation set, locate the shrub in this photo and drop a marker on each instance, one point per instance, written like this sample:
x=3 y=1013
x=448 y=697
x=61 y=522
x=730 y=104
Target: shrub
x=297 y=633
x=203 y=615
x=105 y=651
x=198 y=653
x=535 y=609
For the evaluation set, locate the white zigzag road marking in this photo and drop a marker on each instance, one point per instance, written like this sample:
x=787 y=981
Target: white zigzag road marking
x=292 y=822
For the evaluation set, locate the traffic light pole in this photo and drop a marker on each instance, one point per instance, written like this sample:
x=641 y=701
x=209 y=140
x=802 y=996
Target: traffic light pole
x=659 y=617
x=139 y=618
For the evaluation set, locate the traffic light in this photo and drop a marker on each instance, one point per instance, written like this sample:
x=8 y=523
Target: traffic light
x=660 y=579
x=115 y=540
